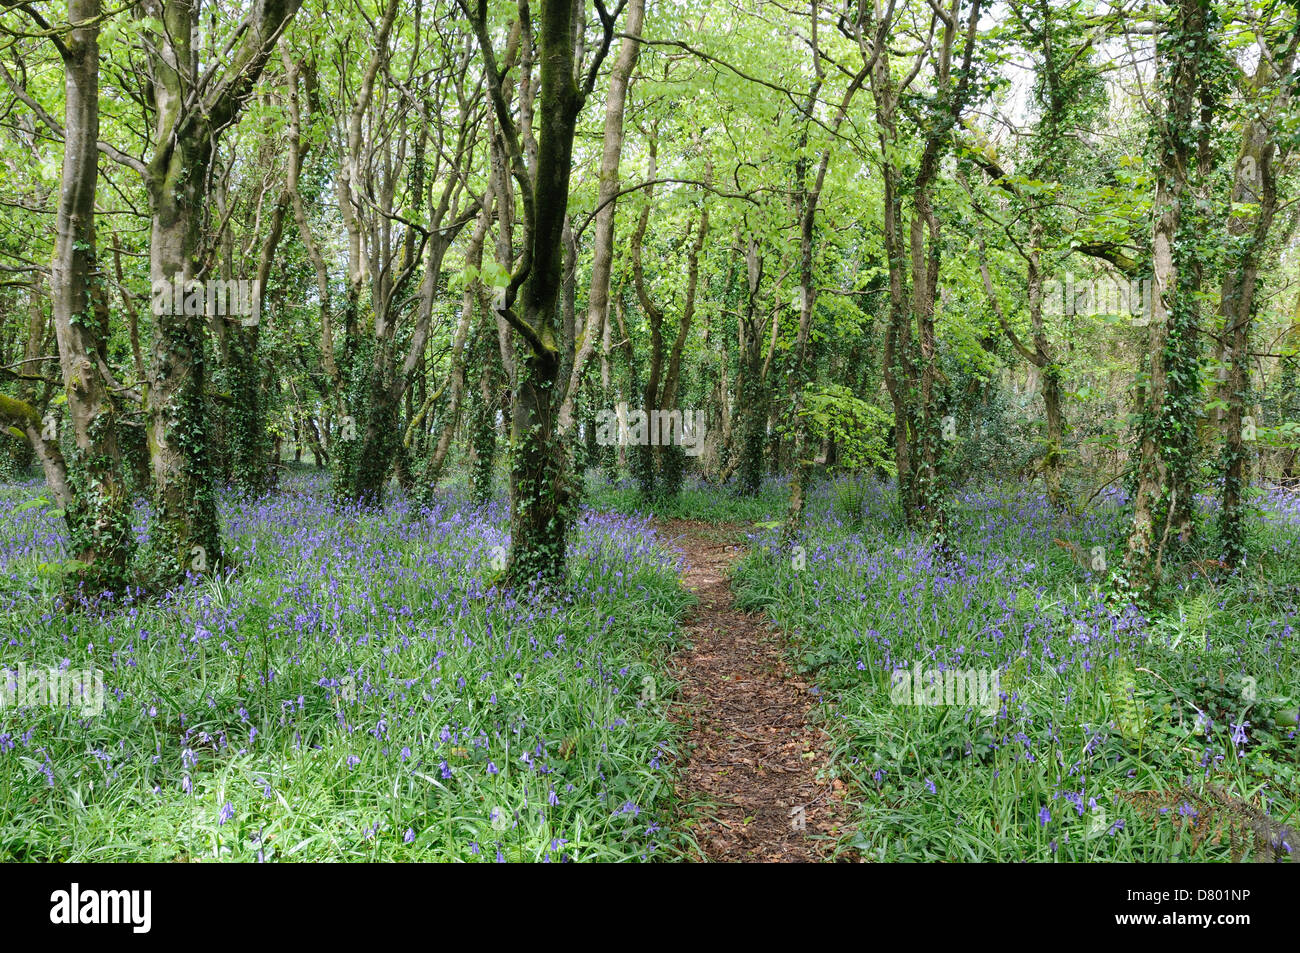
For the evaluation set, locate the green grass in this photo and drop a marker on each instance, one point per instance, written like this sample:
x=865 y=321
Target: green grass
x=403 y=705
x=1101 y=701
x=351 y=691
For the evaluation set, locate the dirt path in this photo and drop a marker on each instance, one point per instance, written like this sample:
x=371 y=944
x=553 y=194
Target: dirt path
x=749 y=776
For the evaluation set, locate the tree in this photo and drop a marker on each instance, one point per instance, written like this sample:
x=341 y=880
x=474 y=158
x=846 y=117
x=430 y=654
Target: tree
x=191 y=109
x=90 y=487
x=911 y=368
x=541 y=489
x=1184 y=52
x=1253 y=205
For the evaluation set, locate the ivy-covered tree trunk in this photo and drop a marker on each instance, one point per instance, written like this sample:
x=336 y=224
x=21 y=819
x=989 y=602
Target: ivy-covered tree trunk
x=483 y=414
x=186 y=533
x=752 y=393
x=541 y=484
x=1182 y=52
x=1044 y=358
x=99 y=514
x=375 y=403
x=801 y=461
x=251 y=450
x=911 y=364
x=897 y=358
x=1184 y=388
x=1254 y=202
x=540 y=489
x=456 y=378
x=930 y=498
x=1053 y=457
x=647 y=457
x=250 y=443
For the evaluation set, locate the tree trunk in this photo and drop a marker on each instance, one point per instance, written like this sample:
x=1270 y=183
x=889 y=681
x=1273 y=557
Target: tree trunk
x=1255 y=182
x=753 y=396
x=606 y=202
x=99 y=516
x=541 y=485
x=20 y=416
x=186 y=534
x=1151 y=504
x=456 y=379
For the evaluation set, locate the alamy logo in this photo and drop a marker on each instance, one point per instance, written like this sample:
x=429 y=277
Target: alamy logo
x=215 y=297
x=949 y=686
x=659 y=428
x=76 y=906
x=1104 y=295
x=52 y=688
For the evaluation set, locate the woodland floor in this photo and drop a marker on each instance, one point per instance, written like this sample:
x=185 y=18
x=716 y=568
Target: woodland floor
x=751 y=759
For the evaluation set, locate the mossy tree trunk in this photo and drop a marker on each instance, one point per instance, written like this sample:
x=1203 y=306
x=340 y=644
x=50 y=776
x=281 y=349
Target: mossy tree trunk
x=1181 y=57
x=807 y=195
x=541 y=482
x=660 y=461
x=186 y=533
x=911 y=362
x=471 y=300
x=99 y=514
x=1255 y=191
